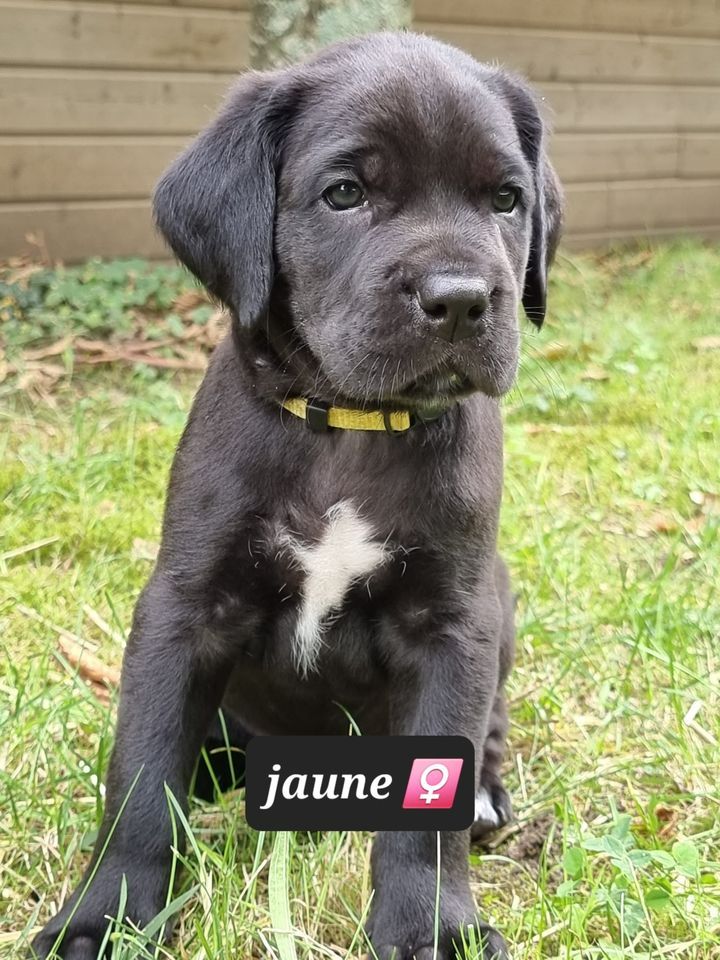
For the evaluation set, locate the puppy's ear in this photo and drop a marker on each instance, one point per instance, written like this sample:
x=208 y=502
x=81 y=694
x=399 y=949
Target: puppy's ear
x=547 y=214
x=216 y=204
x=546 y=227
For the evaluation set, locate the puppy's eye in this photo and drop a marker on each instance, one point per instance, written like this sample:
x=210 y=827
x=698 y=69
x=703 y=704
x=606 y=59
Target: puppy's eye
x=505 y=199
x=344 y=195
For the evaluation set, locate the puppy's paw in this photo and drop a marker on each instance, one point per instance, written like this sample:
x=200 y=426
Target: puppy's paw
x=398 y=935
x=494 y=948
x=52 y=942
x=493 y=807
x=71 y=948
x=77 y=932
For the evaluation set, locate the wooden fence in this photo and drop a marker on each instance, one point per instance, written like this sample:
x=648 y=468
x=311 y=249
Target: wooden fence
x=95 y=100
x=633 y=93
x=97 y=96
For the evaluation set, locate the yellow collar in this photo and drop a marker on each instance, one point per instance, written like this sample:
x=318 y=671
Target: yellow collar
x=319 y=416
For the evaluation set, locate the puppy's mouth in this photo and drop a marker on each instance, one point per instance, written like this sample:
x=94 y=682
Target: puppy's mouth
x=439 y=388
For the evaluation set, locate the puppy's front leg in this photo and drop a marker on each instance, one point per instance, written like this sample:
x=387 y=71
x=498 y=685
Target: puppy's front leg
x=448 y=691
x=171 y=688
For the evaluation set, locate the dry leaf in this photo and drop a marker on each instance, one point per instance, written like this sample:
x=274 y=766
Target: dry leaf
x=613 y=527
x=663 y=523
x=38 y=378
x=22 y=272
x=37 y=240
x=90 y=667
x=92 y=346
x=695 y=524
x=709 y=506
x=189 y=300
x=198 y=361
x=101 y=692
x=52 y=350
x=534 y=428
x=192 y=331
x=52 y=370
x=669 y=817
x=711 y=342
x=144 y=549
x=708 y=502
x=217 y=327
x=555 y=351
x=123 y=347
x=594 y=373
x=657 y=523
x=142 y=346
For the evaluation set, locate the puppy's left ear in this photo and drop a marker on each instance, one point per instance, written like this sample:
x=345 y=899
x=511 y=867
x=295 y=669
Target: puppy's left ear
x=547 y=219
x=216 y=204
x=547 y=213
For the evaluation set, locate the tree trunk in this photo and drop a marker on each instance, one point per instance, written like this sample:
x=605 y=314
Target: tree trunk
x=287 y=30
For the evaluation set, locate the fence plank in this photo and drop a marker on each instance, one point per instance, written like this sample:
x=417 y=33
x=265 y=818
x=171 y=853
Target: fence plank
x=122 y=36
x=642 y=205
x=182 y=4
x=105 y=101
x=699 y=155
x=694 y=18
x=82 y=168
x=596 y=212
x=572 y=56
x=591 y=107
x=634 y=156
x=587 y=157
x=606 y=238
x=76 y=231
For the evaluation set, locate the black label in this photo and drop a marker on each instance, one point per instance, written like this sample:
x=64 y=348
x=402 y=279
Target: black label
x=360 y=783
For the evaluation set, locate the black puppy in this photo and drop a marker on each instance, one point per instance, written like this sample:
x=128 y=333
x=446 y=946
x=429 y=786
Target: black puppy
x=372 y=219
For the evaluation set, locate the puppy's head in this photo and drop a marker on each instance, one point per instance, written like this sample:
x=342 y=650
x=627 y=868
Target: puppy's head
x=376 y=215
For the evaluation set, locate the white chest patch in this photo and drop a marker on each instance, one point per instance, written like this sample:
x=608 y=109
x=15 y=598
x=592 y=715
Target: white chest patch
x=484 y=809
x=346 y=553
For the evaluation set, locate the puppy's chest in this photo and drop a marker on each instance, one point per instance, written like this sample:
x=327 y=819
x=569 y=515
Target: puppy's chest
x=315 y=571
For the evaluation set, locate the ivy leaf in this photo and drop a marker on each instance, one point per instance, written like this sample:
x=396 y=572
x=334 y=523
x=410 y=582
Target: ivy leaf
x=621 y=830
x=687 y=858
x=633 y=917
x=639 y=858
x=598 y=844
x=566 y=888
x=616 y=847
x=663 y=858
x=657 y=898
x=574 y=861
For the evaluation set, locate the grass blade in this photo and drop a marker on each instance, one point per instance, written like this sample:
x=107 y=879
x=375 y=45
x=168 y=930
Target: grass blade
x=279 y=898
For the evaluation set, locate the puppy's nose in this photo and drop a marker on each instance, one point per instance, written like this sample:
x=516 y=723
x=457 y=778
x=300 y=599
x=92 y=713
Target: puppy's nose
x=455 y=304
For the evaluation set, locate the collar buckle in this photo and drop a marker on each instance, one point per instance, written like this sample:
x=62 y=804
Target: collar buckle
x=389 y=429
x=316 y=416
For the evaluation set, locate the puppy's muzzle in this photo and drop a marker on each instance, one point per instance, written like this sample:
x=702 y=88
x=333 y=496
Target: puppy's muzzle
x=454 y=305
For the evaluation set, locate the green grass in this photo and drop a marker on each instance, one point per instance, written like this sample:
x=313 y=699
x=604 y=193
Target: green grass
x=610 y=527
